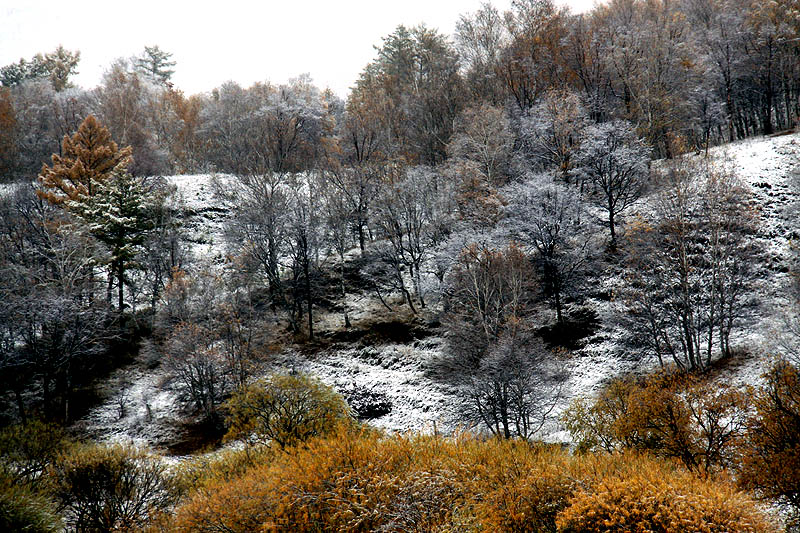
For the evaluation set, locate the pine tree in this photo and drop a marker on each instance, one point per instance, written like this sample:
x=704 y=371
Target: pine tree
x=155 y=64
x=87 y=159
x=60 y=65
x=119 y=215
x=57 y=66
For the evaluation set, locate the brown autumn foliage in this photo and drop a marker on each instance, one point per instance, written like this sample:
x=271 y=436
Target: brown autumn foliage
x=771 y=458
x=364 y=481
x=8 y=135
x=87 y=158
x=668 y=414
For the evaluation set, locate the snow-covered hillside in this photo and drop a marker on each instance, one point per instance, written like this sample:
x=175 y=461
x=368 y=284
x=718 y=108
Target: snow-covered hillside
x=401 y=370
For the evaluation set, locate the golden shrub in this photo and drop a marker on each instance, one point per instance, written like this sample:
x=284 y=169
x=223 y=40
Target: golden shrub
x=652 y=500
x=667 y=414
x=365 y=481
x=771 y=451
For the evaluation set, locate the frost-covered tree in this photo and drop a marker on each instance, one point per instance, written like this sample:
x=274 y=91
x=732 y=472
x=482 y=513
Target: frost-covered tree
x=266 y=128
x=490 y=295
x=550 y=219
x=9 y=148
x=531 y=64
x=483 y=137
x=514 y=390
x=552 y=130
x=124 y=101
x=480 y=38
x=164 y=252
x=615 y=162
x=57 y=66
x=415 y=85
x=51 y=325
x=412 y=214
x=259 y=206
x=195 y=363
x=338 y=215
x=304 y=243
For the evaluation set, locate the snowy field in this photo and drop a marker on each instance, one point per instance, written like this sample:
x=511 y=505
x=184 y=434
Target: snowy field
x=420 y=403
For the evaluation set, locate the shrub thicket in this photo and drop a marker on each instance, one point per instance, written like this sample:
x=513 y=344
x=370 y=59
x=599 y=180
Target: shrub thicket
x=771 y=458
x=24 y=509
x=110 y=488
x=667 y=414
x=368 y=482
x=29 y=448
x=647 y=500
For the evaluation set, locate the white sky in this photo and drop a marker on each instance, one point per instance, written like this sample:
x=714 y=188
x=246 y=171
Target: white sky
x=212 y=42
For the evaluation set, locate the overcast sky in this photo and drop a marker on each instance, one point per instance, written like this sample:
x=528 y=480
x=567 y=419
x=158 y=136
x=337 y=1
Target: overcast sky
x=212 y=42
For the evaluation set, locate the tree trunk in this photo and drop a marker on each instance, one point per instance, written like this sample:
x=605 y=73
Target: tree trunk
x=309 y=299
x=611 y=228
x=344 y=291
x=121 y=279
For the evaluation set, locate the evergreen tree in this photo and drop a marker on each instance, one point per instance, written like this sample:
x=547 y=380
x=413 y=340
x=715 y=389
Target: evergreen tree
x=87 y=159
x=155 y=64
x=119 y=216
x=60 y=65
x=57 y=66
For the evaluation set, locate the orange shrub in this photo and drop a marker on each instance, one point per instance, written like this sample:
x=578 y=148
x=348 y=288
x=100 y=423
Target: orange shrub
x=368 y=482
x=667 y=414
x=771 y=454
x=651 y=500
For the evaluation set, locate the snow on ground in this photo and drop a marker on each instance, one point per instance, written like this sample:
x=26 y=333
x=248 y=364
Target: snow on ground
x=140 y=408
x=397 y=370
x=204 y=221
x=768 y=166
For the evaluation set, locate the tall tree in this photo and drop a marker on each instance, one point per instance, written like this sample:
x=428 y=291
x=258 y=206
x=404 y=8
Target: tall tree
x=480 y=38
x=416 y=83
x=692 y=267
x=551 y=220
x=57 y=66
x=60 y=65
x=119 y=215
x=87 y=160
x=155 y=65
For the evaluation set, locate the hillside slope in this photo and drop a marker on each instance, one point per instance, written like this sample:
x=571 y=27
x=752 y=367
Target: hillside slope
x=395 y=361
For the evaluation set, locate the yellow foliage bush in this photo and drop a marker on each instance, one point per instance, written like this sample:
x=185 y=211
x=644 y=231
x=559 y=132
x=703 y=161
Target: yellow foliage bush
x=365 y=481
x=285 y=409
x=647 y=500
x=667 y=414
x=199 y=472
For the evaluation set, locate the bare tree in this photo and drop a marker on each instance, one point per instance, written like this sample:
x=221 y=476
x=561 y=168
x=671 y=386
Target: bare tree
x=412 y=216
x=515 y=389
x=53 y=326
x=615 y=162
x=480 y=38
x=305 y=239
x=483 y=136
x=490 y=292
x=692 y=268
x=196 y=365
x=552 y=130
